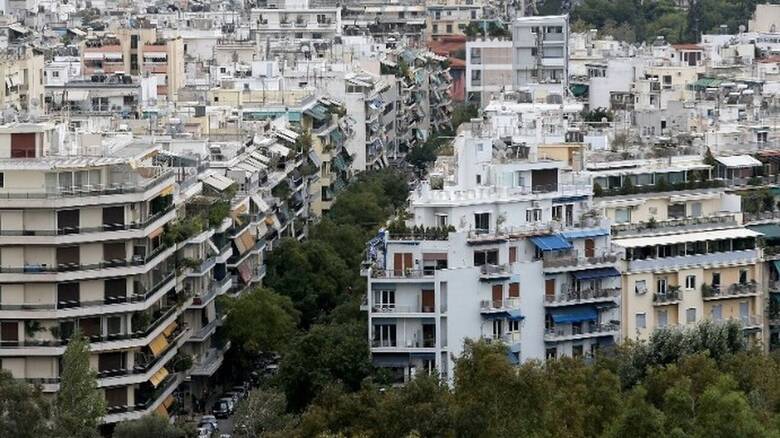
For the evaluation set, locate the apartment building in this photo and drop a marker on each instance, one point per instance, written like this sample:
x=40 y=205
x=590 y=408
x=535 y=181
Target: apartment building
x=540 y=53
x=489 y=69
x=687 y=256
x=296 y=18
x=82 y=248
x=137 y=51
x=510 y=252
x=450 y=17
x=22 y=72
x=386 y=22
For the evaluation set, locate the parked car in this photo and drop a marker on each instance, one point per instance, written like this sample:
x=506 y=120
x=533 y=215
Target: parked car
x=231 y=403
x=204 y=432
x=209 y=420
x=232 y=396
x=222 y=408
x=272 y=369
x=240 y=390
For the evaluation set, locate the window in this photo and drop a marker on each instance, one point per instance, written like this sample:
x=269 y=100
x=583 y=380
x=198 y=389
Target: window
x=557 y=212
x=690 y=315
x=114 y=324
x=476 y=78
x=55 y=74
x=479 y=179
x=743 y=276
x=551 y=352
x=384 y=335
x=716 y=280
x=512 y=254
x=513 y=326
x=676 y=211
x=690 y=282
x=663 y=318
x=498 y=328
x=717 y=312
x=115 y=290
x=695 y=209
x=384 y=299
x=640 y=287
x=533 y=215
x=489 y=257
x=641 y=320
x=660 y=286
x=576 y=351
x=622 y=215
x=441 y=220
x=482 y=222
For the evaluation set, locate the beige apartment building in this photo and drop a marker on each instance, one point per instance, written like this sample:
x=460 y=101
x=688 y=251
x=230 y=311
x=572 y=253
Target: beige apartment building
x=81 y=248
x=22 y=76
x=686 y=256
x=138 y=52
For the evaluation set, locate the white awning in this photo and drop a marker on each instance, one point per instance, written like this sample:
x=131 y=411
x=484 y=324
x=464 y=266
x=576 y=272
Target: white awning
x=262 y=206
x=76 y=95
x=217 y=181
x=279 y=149
x=113 y=55
x=734 y=233
x=255 y=163
x=93 y=56
x=260 y=157
x=248 y=167
x=738 y=161
x=156 y=55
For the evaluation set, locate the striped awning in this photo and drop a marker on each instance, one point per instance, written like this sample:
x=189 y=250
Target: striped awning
x=158 y=377
x=158 y=345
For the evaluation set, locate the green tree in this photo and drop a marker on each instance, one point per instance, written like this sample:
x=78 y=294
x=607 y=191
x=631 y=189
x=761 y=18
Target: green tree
x=152 y=425
x=260 y=320
x=79 y=405
x=261 y=414
x=639 y=419
x=311 y=274
x=327 y=354
x=24 y=412
x=723 y=411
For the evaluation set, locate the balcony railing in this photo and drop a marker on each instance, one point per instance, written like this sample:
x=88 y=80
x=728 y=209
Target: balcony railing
x=678 y=224
x=70 y=267
x=735 y=290
x=499 y=305
x=91 y=190
x=410 y=343
x=595 y=329
x=134 y=298
x=80 y=230
x=571 y=259
x=667 y=297
x=574 y=296
x=401 y=308
x=402 y=273
x=489 y=270
x=173 y=379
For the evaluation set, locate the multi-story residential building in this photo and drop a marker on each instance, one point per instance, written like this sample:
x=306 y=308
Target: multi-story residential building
x=137 y=51
x=296 y=18
x=488 y=69
x=687 y=257
x=511 y=252
x=22 y=72
x=450 y=17
x=82 y=249
x=540 y=55
x=386 y=22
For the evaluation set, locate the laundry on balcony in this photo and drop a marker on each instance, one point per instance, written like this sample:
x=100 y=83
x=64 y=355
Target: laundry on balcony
x=574 y=314
x=595 y=274
x=158 y=377
x=584 y=234
x=158 y=345
x=551 y=243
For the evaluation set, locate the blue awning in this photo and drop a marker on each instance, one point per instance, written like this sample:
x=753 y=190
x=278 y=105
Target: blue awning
x=515 y=348
x=574 y=314
x=513 y=358
x=583 y=234
x=551 y=243
x=594 y=274
x=515 y=315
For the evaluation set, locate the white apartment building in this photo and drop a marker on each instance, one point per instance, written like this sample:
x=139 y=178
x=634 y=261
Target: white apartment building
x=541 y=53
x=489 y=69
x=525 y=262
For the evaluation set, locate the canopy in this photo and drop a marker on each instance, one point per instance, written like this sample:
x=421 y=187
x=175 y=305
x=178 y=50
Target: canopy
x=584 y=234
x=738 y=161
x=158 y=377
x=158 y=345
x=594 y=274
x=770 y=231
x=169 y=330
x=515 y=315
x=217 y=181
x=551 y=243
x=574 y=314
x=701 y=236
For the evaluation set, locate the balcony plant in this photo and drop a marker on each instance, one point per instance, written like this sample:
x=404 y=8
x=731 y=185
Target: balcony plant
x=31 y=328
x=707 y=290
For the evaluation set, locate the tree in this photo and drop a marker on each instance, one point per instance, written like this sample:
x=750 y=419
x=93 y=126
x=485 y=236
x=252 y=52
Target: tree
x=709 y=159
x=24 y=412
x=328 y=354
x=723 y=411
x=152 y=425
x=79 y=405
x=262 y=413
x=261 y=320
x=640 y=419
x=311 y=274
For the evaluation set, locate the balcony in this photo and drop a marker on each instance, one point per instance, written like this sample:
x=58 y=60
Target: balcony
x=560 y=334
x=403 y=274
x=681 y=225
x=412 y=344
x=568 y=260
x=493 y=306
x=399 y=308
x=668 y=297
x=152 y=402
x=731 y=258
x=583 y=296
x=217 y=288
x=736 y=290
x=492 y=272
x=209 y=363
x=139 y=186
x=204 y=332
x=202 y=268
x=74 y=309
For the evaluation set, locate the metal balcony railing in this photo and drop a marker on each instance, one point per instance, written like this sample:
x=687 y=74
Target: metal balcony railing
x=733 y=290
x=574 y=296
